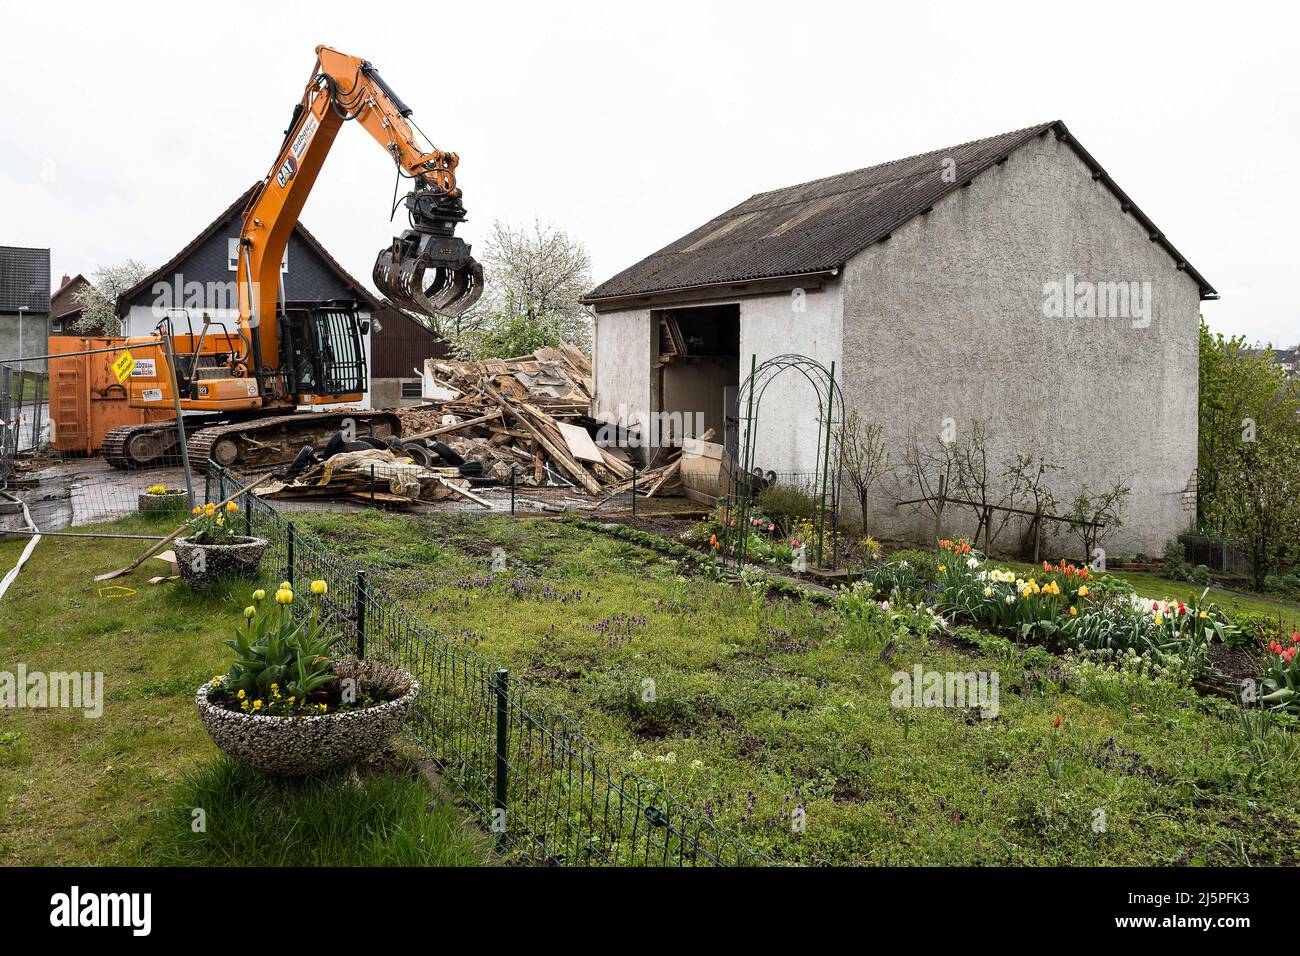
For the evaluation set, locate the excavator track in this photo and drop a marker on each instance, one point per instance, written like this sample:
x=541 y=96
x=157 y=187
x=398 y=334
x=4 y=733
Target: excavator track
x=147 y=445
x=244 y=445
x=267 y=442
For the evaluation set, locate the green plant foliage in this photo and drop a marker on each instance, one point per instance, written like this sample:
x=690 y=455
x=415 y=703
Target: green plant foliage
x=1282 y=676
x=282 y=663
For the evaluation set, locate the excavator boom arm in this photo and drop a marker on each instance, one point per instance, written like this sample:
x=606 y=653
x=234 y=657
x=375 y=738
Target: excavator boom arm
x=344 y=88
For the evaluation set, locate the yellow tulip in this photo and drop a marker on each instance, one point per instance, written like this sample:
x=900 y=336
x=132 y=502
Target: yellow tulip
x=259 y=594
x=319 y=587
x=1083 y=590
x=231 y=506
x=284 y=596
x=249 y=612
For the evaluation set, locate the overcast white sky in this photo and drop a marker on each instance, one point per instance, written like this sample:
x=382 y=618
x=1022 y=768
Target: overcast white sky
x=126 y=127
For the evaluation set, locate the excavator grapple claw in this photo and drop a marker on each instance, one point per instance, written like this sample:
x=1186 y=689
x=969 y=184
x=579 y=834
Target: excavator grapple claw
x=429 y=274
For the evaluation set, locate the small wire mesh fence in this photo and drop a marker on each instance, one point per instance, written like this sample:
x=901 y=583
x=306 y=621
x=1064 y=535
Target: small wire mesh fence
x=1216 y=554
x=543 y=789
x=24 y=420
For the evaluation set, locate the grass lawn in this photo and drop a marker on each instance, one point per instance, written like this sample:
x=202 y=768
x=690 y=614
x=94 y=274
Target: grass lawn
x=121 y=788
x=764 y=706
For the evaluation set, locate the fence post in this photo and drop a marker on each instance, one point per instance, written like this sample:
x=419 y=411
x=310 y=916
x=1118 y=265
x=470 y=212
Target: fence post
x=36 y=412
x=500 y=686
x=372 y=484
x=513 y=470
x=18 y=408
x=248 y=516
x=288 y=571
x=634 y=491
x=361 y=615
x=221 y=482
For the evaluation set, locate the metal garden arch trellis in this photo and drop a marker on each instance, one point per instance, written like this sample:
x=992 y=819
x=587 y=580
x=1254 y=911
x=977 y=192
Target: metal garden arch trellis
x=749 y=481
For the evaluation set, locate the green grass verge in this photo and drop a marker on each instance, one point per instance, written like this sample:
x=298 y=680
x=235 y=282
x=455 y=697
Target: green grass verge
x=92 y=791
x=224 y=814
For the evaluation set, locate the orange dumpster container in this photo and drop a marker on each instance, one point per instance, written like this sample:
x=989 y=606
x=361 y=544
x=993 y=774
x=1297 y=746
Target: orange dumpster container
x=86 y=399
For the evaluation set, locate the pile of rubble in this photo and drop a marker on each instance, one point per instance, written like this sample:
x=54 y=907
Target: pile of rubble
x=485 y=423
x=528 y=416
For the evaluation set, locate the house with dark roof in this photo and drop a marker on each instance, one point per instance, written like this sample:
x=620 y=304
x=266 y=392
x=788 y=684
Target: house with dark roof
x=65 y=310
x=201 y=280
x=1008 y=281
x=24 y=303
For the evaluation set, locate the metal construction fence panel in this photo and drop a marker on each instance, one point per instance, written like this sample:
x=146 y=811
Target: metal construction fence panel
x=542 y=788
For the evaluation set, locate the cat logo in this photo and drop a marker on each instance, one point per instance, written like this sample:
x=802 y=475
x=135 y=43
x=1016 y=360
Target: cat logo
x=286 y=171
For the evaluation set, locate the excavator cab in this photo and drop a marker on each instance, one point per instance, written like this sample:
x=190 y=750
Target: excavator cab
x=324 y=349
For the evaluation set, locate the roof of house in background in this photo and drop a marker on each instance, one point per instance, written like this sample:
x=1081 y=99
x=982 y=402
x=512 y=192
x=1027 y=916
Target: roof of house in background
x=818 y=226
x=63 y=301
x=24 y=279
x=159 y=274
x=1289 y=359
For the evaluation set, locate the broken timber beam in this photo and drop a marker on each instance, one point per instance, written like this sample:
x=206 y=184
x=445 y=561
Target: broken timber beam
x=561 y=457
x=445 y=429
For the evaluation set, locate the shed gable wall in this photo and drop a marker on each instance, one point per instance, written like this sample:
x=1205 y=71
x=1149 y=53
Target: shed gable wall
x=945 y=321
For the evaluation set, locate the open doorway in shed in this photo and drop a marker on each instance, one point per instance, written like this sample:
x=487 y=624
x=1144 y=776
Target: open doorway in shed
x=698 y=363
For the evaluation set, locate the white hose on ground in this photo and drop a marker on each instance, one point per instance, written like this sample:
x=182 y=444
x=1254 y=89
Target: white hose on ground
x=27 y=551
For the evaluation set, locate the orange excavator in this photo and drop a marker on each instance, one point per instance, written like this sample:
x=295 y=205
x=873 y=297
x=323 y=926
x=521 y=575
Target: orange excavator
x=285 y=355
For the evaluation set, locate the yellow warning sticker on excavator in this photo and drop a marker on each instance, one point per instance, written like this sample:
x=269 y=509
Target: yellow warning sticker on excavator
x=123 y=366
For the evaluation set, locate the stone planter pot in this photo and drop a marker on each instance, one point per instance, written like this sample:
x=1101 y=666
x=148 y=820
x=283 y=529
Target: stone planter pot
x=201 y=565
x=297 y=746
x=148 y=504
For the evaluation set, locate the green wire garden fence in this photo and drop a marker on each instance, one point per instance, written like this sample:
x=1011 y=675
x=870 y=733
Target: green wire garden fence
x=526 y=771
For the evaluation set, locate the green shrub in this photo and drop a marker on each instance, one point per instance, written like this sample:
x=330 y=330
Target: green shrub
x=1177 y=567
x=1288 y=584
x=788 y=502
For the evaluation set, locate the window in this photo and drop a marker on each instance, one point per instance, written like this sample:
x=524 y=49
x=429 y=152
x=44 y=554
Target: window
x=412 y=390
x=232 y=256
